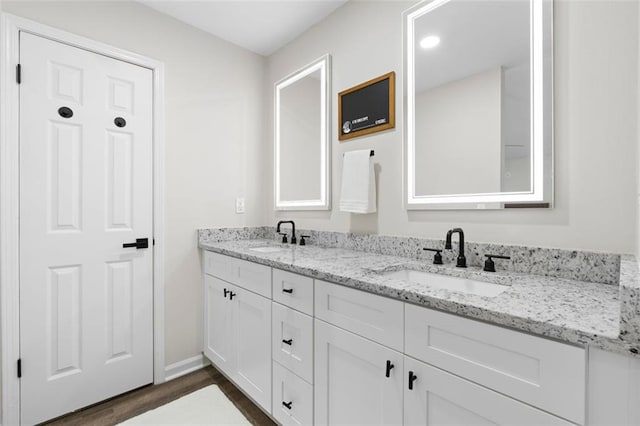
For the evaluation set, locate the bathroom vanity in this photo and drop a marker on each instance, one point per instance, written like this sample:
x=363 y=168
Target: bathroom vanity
x=327 y=335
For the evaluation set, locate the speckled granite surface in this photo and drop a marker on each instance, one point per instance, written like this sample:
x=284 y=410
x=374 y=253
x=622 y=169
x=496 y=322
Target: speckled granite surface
x=574 y=311
x=601 y=268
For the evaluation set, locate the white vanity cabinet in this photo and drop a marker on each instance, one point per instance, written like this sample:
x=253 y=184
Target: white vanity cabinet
x=464 y=371
x=237 y=327
x=313 y=352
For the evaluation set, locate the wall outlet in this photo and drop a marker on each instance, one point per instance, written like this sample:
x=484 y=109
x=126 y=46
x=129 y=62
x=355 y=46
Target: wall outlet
x=239 y=205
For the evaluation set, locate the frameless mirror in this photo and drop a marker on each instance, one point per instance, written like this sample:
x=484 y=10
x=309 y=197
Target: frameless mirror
x=478 y=86
x=302 y=138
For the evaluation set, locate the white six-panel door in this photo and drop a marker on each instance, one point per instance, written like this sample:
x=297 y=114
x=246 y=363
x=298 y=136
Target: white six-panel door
x=86 y=326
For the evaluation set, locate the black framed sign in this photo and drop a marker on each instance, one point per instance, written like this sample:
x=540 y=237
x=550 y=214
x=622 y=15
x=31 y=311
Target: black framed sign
x=368 y=107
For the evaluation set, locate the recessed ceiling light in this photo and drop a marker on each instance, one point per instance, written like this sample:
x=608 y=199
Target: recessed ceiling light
x=429 y=42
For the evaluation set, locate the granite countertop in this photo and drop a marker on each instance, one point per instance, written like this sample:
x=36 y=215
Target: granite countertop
x=578 y=312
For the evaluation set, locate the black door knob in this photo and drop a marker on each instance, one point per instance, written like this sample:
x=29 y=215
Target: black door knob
x=65 y=112
x=141 y=243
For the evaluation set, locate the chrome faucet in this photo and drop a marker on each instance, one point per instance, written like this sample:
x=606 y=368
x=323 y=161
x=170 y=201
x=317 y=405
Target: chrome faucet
x=293 y=231
x=461 y=261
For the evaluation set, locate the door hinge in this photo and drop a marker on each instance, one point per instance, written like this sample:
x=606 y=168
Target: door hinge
x=18 y=73
x=19 y=368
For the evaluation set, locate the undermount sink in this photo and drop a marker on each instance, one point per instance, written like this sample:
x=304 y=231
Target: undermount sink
x=268 y=249
x=445 y=282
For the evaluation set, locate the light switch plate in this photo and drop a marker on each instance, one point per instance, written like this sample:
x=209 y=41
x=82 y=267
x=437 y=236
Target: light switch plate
x=239 y=205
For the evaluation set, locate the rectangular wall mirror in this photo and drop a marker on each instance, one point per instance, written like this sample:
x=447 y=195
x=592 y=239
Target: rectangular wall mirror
x=478 y=86
x=302 y=160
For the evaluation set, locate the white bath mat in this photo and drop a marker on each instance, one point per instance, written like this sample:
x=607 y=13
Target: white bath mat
x=207 y=406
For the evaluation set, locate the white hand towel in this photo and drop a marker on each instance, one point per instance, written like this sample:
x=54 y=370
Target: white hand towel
x=358 y=194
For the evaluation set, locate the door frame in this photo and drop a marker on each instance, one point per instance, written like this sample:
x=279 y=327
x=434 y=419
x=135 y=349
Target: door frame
x=10 y=27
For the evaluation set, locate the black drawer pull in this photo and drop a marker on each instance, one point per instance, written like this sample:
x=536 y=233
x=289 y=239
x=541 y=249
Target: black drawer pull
x=226 y=292
x=287 y=342
x=231 y=294
x=287 y=290
x=287 y=404
x=389 y=368
x=412 y=378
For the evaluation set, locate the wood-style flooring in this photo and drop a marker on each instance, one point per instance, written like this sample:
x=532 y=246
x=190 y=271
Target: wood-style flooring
x=136 y=402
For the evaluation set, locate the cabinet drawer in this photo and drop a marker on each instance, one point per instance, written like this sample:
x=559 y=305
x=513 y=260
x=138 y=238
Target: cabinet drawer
x=248 y=275
x=541 y=372
x=374 y=317
x=438 y=397
x=293 y=290
x=254 y=277
x=297 y=394
x=292 y=344
x=218 y=265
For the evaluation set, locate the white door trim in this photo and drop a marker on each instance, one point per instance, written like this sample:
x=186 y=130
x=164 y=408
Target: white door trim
x=10 y=27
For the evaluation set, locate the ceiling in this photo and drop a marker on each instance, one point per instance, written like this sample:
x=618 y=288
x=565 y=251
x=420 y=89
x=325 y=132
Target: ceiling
x=475 y=37
x=262 y=26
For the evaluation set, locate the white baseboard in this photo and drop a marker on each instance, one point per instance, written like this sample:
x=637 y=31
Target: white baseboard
x=185 y=366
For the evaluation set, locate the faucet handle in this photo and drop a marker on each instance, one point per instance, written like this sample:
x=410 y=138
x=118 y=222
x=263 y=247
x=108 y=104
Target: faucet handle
x=284 y=237
x=489 y=265
x=302 y=239
x=437 y=258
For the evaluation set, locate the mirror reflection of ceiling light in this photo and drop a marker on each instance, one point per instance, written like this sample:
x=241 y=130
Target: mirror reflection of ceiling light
x=429 y=42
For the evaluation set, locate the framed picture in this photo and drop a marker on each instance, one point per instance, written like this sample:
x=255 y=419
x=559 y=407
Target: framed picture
x=368 y=107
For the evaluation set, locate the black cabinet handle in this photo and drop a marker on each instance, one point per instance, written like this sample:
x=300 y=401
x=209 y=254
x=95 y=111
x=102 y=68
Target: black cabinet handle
x=226 y=292
x=412 y=378
x=231 y=294
x=141 y=243
x=287 y=290
x=287 y=404
x=287 y=342
x=389 y=368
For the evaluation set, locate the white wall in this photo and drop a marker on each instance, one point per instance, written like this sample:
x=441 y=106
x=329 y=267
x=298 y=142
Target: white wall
x=458 y=125
x=214 y=133
x=596 y=76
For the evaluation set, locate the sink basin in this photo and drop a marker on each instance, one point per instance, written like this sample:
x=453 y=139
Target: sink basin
x=268 y=249
x=462 y=285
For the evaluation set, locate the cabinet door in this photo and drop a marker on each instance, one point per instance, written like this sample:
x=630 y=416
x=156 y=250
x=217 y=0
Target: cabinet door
x=351 y=384
x=218 y=320
x=292 y=398
x=440 y=398
x=293 y=340
x=252 y=330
